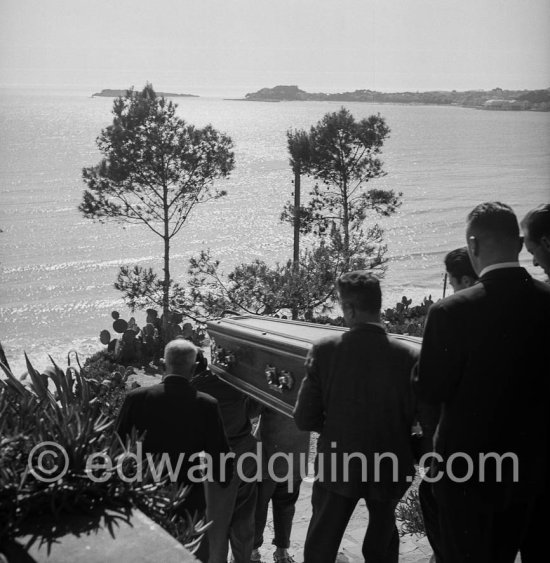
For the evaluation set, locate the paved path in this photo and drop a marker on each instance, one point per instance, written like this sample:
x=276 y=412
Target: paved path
x=412 y=549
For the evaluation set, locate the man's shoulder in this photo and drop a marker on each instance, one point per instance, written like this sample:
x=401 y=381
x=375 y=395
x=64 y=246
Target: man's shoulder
x=206 y=400
x=330 y=339
x=463 y=298
x=210 y=384
x=543 y=288
x=140 y=392
x=328 y=342
x=403 y=347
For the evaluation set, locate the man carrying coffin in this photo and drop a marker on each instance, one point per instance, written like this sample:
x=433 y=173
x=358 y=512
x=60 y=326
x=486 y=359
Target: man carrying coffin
x=357 y=395
x=179 y=422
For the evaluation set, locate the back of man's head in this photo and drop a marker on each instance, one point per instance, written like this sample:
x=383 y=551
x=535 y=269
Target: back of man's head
x=458 y=263
x=536 y=224
x=179 y=357
x=492 y=234
x=360 y=289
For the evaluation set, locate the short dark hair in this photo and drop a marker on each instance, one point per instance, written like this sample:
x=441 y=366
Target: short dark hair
x=536 y=223
x=458 y=263
x=360 y=289
x=494 y=218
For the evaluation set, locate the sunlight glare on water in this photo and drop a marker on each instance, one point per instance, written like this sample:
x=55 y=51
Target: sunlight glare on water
x=57 y=268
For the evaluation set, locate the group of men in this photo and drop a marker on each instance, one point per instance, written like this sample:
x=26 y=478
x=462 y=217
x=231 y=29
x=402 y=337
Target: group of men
x=481 y=381
x=193 y=411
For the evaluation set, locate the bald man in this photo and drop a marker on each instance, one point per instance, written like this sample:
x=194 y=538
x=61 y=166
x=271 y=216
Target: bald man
x=480 y=363
x=179 y=421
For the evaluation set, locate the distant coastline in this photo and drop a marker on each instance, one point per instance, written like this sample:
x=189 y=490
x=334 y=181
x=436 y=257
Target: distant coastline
x=496 y=99
x=109 y=93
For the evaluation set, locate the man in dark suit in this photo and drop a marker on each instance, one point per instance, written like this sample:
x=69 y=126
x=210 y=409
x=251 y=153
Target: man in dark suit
x=536 y=235
x=480 y=363
x=231 y=508
x=357 y=395
x=179 y=421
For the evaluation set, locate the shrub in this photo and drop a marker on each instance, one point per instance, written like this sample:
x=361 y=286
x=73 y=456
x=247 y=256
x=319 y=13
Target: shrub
x=401 y=319
x=409 y=513
x=404 y=319
x=73 y=410
x=135 y=346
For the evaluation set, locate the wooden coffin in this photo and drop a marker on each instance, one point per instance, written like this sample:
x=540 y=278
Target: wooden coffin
x=264 y=357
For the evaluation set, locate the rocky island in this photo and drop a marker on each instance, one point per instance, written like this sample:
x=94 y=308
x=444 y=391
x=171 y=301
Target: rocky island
x=108 y=93
x=496 y=99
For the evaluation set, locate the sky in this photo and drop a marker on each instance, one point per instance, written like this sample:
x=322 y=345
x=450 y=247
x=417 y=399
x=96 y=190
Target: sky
x=231 y=47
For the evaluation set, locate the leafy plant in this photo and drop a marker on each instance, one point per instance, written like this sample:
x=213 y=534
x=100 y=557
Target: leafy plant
x=261 y=289
x=73 y=410
x=409 y=513
x=404 y=319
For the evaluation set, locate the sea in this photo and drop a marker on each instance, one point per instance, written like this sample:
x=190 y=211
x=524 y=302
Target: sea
x=57 y=268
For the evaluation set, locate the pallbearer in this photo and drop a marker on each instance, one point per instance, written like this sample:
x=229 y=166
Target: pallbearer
x=357 y=395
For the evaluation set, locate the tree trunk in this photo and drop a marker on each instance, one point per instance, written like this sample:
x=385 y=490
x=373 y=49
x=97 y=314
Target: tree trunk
x=296 y=254
x=166 y=291
x=166 y=283
x=297 y=187
x=345 y=225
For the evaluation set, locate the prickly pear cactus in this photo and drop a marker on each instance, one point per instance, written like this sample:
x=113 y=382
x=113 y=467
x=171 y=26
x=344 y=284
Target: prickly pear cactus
x=129 y=336
x=120 y=326
x=132 y=325
x=105 y=337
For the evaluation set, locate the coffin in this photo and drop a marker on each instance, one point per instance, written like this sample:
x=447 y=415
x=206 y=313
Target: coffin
x=264 y=357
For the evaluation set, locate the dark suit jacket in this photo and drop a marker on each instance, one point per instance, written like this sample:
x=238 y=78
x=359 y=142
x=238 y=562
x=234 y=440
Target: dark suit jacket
x=234 y=411
x=177 y=420
x=484 y=359
x=357 y=395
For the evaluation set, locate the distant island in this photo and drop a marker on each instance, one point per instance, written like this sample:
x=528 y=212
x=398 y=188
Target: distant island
x=107 y=93
x=496 y=99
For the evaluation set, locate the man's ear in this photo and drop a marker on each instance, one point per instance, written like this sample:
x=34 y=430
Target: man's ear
x=473 y=245
x=545 y=242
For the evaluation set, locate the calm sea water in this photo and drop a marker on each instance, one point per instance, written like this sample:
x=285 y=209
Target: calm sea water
x=57 y=269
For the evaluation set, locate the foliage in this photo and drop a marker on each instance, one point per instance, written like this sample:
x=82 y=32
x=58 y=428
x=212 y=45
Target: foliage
x=155 y=169
x=144 y=346
x=142 y=288
x=409 y=513
x=112 y=377
x=341 y=155
x=257 y=288
x=299 y=147
x=72 y=409
x=401 y=319
x=404 y=319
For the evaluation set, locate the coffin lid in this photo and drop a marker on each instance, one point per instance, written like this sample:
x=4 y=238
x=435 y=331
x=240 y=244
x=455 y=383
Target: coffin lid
x=297 y=336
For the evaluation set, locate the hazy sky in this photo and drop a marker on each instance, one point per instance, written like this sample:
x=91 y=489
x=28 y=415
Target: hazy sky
x=238 y=46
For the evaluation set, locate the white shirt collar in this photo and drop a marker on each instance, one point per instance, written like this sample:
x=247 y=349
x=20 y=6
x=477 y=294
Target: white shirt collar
x=498 y=266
